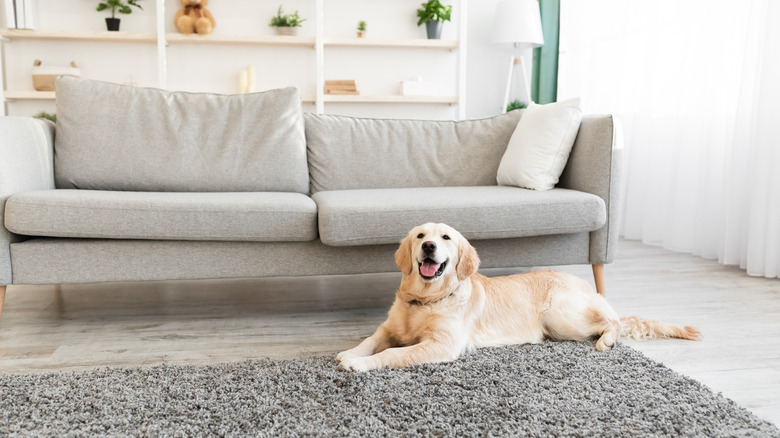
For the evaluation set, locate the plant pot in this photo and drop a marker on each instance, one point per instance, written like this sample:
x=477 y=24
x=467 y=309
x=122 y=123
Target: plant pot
x=361 y=34
x=286 y=30
x=434 y=29
x=112 y=24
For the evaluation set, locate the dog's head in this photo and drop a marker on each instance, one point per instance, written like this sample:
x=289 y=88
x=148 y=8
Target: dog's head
x=432 y=251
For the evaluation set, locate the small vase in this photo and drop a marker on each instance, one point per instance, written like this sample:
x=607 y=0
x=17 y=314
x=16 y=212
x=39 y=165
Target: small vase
x=433 y=27
x=112 y=24
x=286 y=30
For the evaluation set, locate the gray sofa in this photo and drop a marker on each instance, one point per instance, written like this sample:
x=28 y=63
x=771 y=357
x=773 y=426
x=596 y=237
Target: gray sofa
x=137 y=184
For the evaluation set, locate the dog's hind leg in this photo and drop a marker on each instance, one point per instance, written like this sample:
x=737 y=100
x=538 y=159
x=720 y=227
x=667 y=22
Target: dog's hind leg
x=609 y=328
x=579 y=317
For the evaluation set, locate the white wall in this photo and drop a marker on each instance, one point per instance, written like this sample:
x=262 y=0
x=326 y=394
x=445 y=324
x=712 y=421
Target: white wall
x=215 y=68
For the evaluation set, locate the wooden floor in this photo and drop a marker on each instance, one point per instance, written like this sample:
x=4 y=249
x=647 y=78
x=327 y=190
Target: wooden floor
x=75 y=327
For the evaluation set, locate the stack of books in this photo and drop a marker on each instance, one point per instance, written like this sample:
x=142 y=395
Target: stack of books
x=341 y=87
x=19 y=14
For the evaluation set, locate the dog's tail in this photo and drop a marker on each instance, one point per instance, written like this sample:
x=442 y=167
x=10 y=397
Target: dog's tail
x=642 y=329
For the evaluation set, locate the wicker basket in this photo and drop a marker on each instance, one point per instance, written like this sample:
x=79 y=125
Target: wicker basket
x=43 y=76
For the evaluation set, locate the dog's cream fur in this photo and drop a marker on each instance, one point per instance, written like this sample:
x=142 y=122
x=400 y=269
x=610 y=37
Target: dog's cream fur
x=437 y=318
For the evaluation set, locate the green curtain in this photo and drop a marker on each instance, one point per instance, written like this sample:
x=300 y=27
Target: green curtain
x=544 y=81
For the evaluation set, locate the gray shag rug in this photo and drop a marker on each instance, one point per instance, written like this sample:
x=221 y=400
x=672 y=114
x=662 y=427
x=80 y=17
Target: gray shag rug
x=551 y=389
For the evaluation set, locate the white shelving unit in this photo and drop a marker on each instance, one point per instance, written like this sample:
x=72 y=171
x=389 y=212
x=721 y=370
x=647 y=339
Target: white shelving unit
x=319 y=45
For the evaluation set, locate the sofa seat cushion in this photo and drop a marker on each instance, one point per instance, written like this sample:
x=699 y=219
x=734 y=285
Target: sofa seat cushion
x=239 y=216
x=378 y=216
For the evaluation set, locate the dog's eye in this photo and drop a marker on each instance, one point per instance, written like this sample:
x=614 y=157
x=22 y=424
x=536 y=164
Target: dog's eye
x=445 y=237
x=420 y=236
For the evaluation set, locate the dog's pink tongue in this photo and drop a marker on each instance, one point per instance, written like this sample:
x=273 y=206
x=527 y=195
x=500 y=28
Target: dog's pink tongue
x=429 y=268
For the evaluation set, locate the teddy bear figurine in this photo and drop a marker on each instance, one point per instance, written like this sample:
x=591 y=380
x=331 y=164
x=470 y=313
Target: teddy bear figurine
x=194 y=17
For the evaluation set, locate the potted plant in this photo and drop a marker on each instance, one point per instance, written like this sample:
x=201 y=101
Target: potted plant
x=47 y=116
x=361 y=29
x=123 y=7
x=515 y=104
x=286 y=24
x=433 y=14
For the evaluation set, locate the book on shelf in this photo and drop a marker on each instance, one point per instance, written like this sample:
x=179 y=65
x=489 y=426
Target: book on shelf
x=343 y=87
x=341 y=82
x=343 y=92
x=9 y=11
x=30 y=21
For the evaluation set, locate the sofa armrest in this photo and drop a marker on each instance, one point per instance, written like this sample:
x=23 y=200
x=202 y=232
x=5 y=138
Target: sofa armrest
x=594 y=166
x=26 y=163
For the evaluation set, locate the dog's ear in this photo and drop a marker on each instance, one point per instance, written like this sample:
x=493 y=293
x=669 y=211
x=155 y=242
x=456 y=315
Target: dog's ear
x=468 y=260
x=403 y=255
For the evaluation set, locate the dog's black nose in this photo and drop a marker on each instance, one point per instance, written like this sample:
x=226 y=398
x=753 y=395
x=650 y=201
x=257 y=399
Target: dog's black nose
x=429 y=247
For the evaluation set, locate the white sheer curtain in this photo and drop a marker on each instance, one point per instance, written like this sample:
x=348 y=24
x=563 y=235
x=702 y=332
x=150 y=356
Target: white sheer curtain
x=696 y=84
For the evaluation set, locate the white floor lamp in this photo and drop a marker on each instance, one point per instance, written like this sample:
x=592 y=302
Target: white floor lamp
x=518 y=25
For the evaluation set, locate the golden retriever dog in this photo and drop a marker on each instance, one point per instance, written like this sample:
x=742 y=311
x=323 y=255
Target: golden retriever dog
x=444 y=307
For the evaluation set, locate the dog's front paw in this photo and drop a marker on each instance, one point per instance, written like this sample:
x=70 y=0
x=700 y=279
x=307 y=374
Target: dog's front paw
x=345 y=355
x=355 y=364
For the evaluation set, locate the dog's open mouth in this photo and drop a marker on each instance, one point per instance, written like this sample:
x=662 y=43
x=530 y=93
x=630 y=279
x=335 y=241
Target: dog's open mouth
x=429 y=269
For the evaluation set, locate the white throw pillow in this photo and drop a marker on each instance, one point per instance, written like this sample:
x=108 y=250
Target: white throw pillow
x=540 y=146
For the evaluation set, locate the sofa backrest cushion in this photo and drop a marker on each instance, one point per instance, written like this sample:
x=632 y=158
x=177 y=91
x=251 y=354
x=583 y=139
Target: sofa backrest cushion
x=347 y=153
x=117 y=137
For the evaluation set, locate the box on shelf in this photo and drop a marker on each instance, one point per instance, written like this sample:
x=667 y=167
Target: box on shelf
x=43 y=76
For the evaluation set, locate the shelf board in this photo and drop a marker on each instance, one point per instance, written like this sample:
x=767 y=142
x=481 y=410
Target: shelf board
x=29 y=95
x=392 y=44
x=338 y=98
x=171 y=38
x=331 y=98
x=105 y=36
x=252 y=40
x=255 y=40
x=49 y=95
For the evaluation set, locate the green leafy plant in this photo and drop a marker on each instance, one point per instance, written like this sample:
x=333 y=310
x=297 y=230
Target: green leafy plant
x=119 y=6
x=433 y=10
x=288 y=20
x=47 y=116
x=515 y=104
x=361 y=26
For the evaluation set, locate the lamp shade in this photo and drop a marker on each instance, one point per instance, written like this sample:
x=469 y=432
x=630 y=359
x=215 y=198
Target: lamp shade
x=518 y=24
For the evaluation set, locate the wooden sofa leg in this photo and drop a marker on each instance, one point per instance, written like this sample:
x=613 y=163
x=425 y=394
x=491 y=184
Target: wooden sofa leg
x=2 y=299
x=598 y=276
